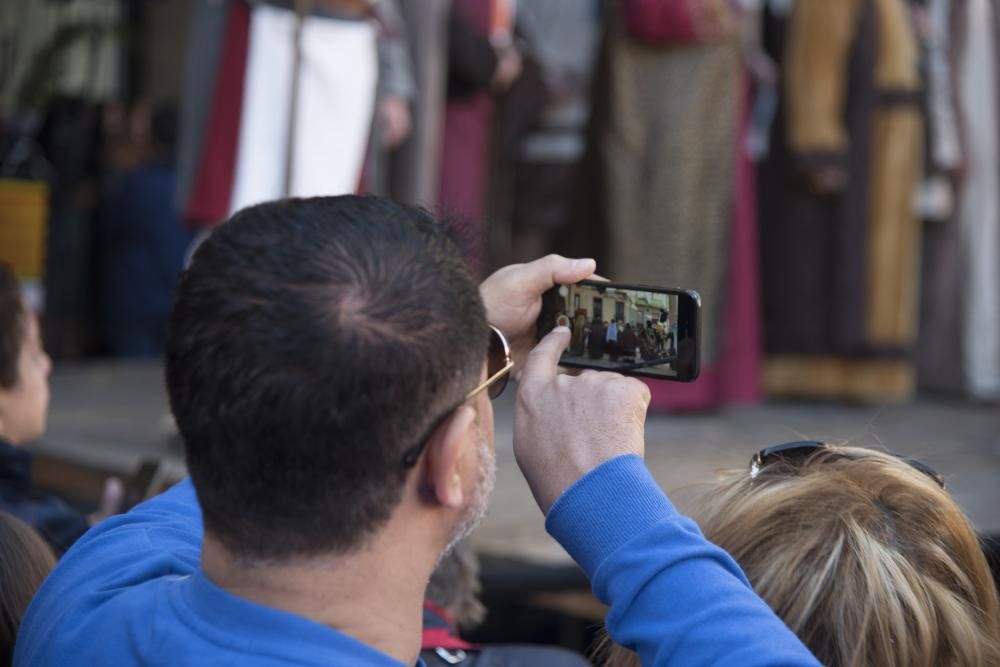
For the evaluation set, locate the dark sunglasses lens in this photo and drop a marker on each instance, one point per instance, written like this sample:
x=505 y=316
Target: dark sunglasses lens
x=496 y=359
x=924 y=468
x=497 y=387
x=496 y=362
x=790 y=451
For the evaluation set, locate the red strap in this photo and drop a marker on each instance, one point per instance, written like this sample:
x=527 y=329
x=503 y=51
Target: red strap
x=442 y=638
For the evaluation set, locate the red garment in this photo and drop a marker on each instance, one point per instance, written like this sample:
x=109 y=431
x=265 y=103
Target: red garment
x=464 y=153
x=212 y=192
x=468 y=125
x=675 y=21
x=734 y=378
x=439 y=631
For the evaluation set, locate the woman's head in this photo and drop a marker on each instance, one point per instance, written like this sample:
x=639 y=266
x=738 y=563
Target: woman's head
x=867 y=559
x=24 y=366
x=25 y=561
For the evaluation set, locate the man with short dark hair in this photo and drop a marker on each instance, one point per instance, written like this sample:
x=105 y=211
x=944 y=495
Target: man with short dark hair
x=336 y=450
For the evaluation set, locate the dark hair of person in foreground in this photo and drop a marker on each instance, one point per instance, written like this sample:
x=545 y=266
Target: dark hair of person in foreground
x=866 y=558
x=301 y=367
x=25 y=561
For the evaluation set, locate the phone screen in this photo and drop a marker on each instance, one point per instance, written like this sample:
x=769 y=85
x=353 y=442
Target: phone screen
x=631 y=329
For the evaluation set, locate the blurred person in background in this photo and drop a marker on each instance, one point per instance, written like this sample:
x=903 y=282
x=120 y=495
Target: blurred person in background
x=942 y=276
x=25 y=561
x=976 y=35
x=415 y=166
x=539 y=134
x=24 y=403
x=595 y=342
x=839 y=231
x=290 y=99
x=395 y=99
x=896 y=576
x=667 y=193
x=483 y=61
x=141 y=242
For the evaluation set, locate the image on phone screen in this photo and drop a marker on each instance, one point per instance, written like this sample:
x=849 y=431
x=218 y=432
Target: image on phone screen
x=631 y=329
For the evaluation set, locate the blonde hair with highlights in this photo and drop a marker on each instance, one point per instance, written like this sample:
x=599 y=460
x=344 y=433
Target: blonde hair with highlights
x=868 y=560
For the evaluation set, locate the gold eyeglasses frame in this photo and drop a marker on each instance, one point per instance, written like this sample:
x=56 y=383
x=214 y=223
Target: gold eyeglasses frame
x=411 y=456
x=500 y=374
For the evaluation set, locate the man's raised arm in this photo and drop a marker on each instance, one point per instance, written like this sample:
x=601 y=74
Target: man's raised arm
x=674 y=598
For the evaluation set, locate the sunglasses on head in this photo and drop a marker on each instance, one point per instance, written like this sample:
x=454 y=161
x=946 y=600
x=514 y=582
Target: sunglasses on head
x=499 y=364
x=799 y=451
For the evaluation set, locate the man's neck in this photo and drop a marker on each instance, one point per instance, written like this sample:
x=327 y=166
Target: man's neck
x=374 y=596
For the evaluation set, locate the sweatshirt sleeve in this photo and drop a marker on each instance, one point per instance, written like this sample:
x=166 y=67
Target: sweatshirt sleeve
x=673 y=597
x=159 y=538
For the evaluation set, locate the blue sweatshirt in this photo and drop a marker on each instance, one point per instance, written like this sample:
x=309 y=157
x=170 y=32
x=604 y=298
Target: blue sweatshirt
x=673 y=597
x=131 y=592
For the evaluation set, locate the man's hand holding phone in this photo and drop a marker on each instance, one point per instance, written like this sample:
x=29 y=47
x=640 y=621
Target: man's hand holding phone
x=565 y=426
x=513 y=298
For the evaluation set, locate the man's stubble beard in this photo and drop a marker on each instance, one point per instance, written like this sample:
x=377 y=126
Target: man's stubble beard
x=476 y=509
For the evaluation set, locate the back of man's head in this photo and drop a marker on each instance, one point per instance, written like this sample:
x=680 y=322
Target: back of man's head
x=311 y=344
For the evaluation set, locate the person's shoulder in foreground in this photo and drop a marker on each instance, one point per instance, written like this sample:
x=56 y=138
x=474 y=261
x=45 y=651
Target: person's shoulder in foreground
x=131 y=592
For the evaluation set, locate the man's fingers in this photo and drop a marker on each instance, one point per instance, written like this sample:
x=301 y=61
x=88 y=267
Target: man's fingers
x=543 y=361
x=552 y=270
x=642 y=391
x=569 y=271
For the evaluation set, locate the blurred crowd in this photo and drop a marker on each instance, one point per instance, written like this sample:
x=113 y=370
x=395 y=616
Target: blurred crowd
x=823 y=173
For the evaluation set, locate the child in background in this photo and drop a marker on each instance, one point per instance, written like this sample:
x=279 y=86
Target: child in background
x=24 y=401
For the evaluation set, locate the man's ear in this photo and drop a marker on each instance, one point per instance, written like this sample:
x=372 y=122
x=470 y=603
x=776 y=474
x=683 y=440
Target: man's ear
x=443 y=463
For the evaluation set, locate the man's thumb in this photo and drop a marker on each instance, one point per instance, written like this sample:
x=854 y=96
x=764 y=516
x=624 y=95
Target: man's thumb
x=543 y=362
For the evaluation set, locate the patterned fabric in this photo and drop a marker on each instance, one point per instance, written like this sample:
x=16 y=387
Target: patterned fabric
x=734 y=379
x=667 y=154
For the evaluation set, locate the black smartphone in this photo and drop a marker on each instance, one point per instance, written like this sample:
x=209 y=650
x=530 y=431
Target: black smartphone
x=632 y=329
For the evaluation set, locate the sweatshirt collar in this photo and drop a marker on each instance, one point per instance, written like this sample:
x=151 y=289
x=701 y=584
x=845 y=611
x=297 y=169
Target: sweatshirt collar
x=246 y=626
